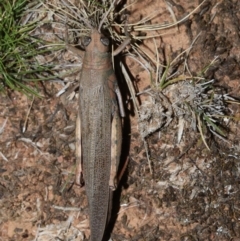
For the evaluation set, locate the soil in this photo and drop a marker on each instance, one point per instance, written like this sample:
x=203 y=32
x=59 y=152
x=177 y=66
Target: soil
x=183 y=192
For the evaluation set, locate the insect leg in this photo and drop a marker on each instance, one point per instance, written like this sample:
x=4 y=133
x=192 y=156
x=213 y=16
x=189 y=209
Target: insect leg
x=124 y=43
x=78 y=179
x=120 y=102
x=116 y=146
x=121 y=46
x=71 y=48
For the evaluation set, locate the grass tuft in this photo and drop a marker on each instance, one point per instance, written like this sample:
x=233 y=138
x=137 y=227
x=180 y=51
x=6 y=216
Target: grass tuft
x=19 y=49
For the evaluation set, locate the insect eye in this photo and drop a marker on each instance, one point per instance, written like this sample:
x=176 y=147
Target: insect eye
x=105 y=41
x=86 y=41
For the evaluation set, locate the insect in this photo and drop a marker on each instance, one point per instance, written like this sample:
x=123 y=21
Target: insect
x=98 y=130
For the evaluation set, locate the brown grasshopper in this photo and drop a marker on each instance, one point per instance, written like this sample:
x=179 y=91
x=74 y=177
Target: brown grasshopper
x=98 y=130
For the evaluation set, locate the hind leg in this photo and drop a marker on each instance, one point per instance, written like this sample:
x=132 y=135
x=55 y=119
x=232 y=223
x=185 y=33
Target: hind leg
x=78 y=178
x=116 y=146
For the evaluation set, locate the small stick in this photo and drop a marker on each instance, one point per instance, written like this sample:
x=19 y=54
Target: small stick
x=25 y=122
x=66 y=208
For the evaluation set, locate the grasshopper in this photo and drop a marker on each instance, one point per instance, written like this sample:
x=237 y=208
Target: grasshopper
x=98 y=130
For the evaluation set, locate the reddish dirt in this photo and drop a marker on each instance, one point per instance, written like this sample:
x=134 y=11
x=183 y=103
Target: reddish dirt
x=191 y=194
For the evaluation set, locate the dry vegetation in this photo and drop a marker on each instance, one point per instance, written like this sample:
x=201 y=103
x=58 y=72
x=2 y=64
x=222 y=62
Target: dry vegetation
x=180 y=81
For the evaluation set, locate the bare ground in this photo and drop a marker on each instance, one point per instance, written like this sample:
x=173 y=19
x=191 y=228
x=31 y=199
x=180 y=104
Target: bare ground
x=191 y=194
